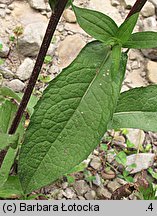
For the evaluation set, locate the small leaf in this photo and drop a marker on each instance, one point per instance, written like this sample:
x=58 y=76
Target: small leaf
x=129 y=179
x=125 y=30
x=142 y=40
x=136 y=108
x=7 y=140
x=71 y=118
x=11 y=188
x=6 y=165
x=96 y=24
x=154 y=174
x=7 y=92
x=121 y=158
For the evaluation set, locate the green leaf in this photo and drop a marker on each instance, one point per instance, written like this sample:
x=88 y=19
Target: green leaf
x=116 y=57
x=6 y=165
x=7 y=140
x=125 y=30
x=137 y=108
x=11 y=188
x=71 y=118
x=121 y=158
x=96 y=24
x=154 y=174
x=7 y=92
x=7 y=112
x=142 y=40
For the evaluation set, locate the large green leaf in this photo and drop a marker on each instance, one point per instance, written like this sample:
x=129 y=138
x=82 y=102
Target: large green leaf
x=125 y=30
x=142 y=40
x=96 y=24
x=136 y=108
x=71 y=117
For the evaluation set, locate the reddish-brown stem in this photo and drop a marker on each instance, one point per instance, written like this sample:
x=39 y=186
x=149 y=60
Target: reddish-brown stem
x=137 y=7
x=39 y=62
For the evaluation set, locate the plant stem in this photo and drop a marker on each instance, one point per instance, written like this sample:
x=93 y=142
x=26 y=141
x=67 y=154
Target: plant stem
x=39 y=62
x=137 y=7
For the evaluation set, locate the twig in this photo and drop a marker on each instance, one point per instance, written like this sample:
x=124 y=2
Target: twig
x=39 y=62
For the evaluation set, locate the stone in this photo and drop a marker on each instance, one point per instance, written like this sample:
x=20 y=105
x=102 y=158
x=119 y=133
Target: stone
x=5 y=49
x=31 y=39
x=38 y=4
x=91 y=195
x=81 y=187
x=25 y=69
x=68 y=193
x=115 y=3
x=136 y=137
x=8 y=11
x=6 y=1
x=2 y=12
x=148 y=10
x=134 y=79
x=97 y=181
x=69 y=16
x=152 y=71
x=2 y=6
x=142 y=161
x=69 y=49
x=74 y=28
x=150 y=24
x=6 y=72
x=154 y=2
x=113 y=185
x=103 y=193
x=129 y=3
x=16 y=85
x=107 y=9
x=51 y=49
x=95 y=163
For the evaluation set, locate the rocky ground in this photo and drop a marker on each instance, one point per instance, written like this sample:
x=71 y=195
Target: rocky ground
x=101 y=176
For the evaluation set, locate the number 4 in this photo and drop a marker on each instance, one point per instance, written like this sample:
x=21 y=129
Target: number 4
x=150 y=207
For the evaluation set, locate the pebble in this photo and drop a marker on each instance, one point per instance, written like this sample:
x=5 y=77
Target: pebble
x=103 y=193
x=5 y=50
x=129 y=3
x=142 y=161
x=81 y=187
x=68 y=193
x=97 y=181
x=30 y=41
x=37 y=4
x=69 y=16
x=69 y=49
x=6 y=72
x=95 y=163
x=16 y=85
x=25 y=69
x=136 y=137
x=148 y=10
x=2 y=12
x=6 y=1
x=152 y=71
x=91 y=195
x=113 y=185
